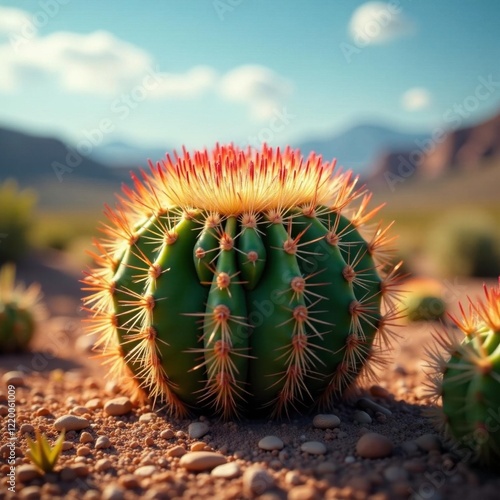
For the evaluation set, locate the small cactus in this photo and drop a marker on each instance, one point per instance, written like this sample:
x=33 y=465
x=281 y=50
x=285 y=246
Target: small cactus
x=467 y=379
x=242 y=281
x=20 y=310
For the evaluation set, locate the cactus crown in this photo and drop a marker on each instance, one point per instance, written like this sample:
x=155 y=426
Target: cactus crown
x=466 y=377
x=241 y=279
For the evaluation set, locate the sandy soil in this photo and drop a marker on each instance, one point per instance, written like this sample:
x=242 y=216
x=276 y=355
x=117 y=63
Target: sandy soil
x=142 y=455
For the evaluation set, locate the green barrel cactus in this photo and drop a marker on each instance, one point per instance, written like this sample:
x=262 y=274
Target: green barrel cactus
x=20 y=310
x=242 y=281
x=467 y=379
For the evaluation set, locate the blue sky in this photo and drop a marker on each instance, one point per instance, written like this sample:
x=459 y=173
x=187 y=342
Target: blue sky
x=198 y=71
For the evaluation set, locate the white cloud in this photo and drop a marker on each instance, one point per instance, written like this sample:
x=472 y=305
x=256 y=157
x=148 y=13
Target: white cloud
x=415 y=99
x=100 y=64
x=192 y=83
x=378 y=23
x=256 y=86
x=13 y=20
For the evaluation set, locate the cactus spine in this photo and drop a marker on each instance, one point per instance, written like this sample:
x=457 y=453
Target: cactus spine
x=20 y=310
x=467 y=378
x=240 y=280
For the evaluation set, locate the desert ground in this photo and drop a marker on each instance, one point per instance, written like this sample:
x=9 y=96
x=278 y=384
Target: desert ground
x=121 y=452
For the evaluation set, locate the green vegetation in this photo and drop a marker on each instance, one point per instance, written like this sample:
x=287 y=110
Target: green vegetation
x=20 y=310
x=16 y=220
x=42 y=454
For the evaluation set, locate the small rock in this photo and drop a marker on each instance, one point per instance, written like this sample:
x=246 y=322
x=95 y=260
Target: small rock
x=26 y=429
x=326 y=468
x=113 y=492
x=198 y=446
x=362 y=417
x=145 y=471
x=196 y=461
x=373 y=445
x=71 y=423
x=292 y=477
x=303 y=492
x=167 y=434
x=83 y=451
x=409 y=447
x=256 y=481
x=271 y=443
x=129 y=481
x=326 y=421
x=86 y=437
x=103 y=465
x=313 y=448
x=31 y=493
x=67 y=445
x=102 y=443
x=177 y=451
x=379 y=392
x=147 y=417
x=79 y=410
x=395 y=473
x=93 y=404
x=197 y=430
x=118 y=406
x=26 y=472
x=226 y=471
x=368 y=404
x=81 y=470
x=428 y=442
x=67 y=474
x=13 y=378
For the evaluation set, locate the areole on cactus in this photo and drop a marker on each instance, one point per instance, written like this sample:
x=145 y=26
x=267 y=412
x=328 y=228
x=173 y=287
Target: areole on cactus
x=242 y=281
x=466 y=377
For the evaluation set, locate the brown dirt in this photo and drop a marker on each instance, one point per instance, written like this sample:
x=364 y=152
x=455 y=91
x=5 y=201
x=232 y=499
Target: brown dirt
x=60 y=377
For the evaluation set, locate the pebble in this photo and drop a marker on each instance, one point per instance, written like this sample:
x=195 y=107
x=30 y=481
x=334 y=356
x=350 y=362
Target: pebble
x=395 y=473
x=326 y=468
x=145 y=471
x=81 y=470
x=226 y=471
x=147 y=417
x=256 y=481
x=67 y=474
x=26 y=472
x=118 y=406
x=195 y=461
x=326 y=421
x=71 y=423
x=67 y=445
x=177 y=451
x=379 y=392
x=93 y=404
x=368 y=404
x=103 y=465
x=197 y=430
x=31 y=493
x=313 y=447
x=113 y=492
x=129 y=481
x=428 y=442
x=79 y=410
x=13 y=378
x=198 y=446
x=102 y=443
x=86 y=437
x=303 y=492
x=26 y=429
x=362 y=417
x=271 y=443
x=83 y=451
x=373 y=445
x=292 y=477
x=167 y=434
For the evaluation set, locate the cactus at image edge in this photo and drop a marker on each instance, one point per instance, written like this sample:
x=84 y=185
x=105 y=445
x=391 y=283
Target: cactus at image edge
x=467 y=379
x=20 y=311
x=241 y=281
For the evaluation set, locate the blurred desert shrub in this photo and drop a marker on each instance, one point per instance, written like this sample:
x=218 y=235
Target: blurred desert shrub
x=422 y=299
x=465 y=243
x=16 y=220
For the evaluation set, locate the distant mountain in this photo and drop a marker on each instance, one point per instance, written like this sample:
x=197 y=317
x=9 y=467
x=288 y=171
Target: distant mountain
x=126 y=155
x=30 y=159
x=359 y=147
x=465 y=148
